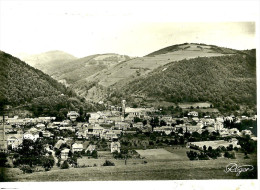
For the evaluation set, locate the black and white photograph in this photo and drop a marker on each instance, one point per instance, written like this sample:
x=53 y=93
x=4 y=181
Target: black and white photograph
x=134 y=91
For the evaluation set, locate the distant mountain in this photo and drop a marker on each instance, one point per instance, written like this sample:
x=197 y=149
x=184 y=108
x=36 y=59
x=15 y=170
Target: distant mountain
x=193 y=47
x=47 y=62
x=227 y=81
x=25 y=87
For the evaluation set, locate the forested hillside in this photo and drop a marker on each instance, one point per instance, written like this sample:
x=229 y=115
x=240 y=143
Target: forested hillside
x=31 y=89
x=226 y=81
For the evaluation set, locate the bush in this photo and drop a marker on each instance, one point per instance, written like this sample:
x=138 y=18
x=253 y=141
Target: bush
x=230 y=155
x=64 y=165
x=192 y=155
x=94 y=154
x=230 y=147
x=27 y=169
x=108 y=163
x=203 y=156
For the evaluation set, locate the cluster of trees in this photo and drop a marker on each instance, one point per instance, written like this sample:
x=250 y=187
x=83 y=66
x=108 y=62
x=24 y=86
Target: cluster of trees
x=93 y=154
x=123 y=154
x=226 y=81
x=206 y=154
x=248 y=146
x=31 y=154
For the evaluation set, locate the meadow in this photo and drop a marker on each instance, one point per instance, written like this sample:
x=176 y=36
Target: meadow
x=159 y=164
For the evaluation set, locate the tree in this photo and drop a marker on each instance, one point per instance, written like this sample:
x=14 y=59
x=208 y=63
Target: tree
x=108 y=163
x=94 y=154
x=163 y=123
x=180 y=130
x=40 y=134
x=205 y=134
x=137 y=119
x=64 y=165
x=3 y=159
x=48 y=162
x=154 y=122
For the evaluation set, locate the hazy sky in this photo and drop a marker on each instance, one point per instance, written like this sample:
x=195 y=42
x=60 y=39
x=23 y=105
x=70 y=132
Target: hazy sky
x=133 y=28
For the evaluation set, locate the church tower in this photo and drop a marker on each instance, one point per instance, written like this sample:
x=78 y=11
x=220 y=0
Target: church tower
x=123 y=107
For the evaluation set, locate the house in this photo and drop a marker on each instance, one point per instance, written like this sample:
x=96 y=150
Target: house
x=246 y=132
x=14 y=142
x=77 y=147
x=94 y=117
x=166 y=129
x=208 y=121
x=117 y=132
x=40 y=126
x=218 y=126
x=166 y=118
x=65 y=154
x=95 y=130
x=224 y=132
x=47 y=134
x=59 y=143
x=234 y=131
x=73 y=115
x=196 y=119
x=45 y=119
x=220 y=119
x=81 y=135
x=115 y=146
x=137 y=112
x=65 y=123
x=91 y=148
x=147 y=129
x=30 y=136
x=138 y=125
x=110 y=135
x=193 y=114
x=122 y=125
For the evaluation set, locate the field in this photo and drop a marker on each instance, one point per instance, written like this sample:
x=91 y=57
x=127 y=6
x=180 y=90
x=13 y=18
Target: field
x=159 y=164
x=162 y=154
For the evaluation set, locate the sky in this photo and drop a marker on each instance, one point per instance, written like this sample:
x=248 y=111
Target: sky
x=135 y=28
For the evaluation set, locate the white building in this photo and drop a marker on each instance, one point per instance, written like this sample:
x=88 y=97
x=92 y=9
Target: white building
x=72 y=115
x=115 y=146
x=65 y=154
x=77 y=147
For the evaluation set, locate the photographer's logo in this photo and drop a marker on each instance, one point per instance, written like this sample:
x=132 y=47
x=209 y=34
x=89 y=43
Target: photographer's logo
x=234 y=168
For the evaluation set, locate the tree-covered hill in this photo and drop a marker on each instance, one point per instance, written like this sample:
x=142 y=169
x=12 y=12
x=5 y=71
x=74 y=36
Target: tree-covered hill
x=27 y=87
x=226 y=81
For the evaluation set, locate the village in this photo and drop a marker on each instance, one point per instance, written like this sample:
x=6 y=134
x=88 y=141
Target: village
x=123 y=133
